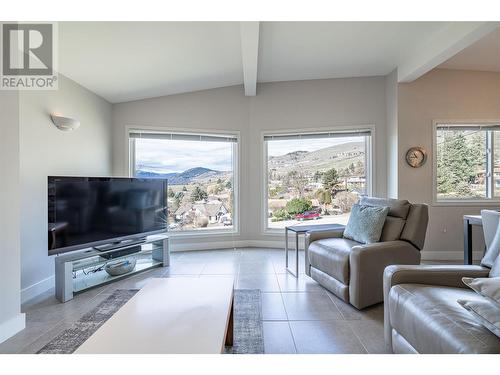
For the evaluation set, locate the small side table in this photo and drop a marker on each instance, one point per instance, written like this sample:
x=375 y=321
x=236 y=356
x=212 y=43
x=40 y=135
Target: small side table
x=469 y=221
x=303 y=229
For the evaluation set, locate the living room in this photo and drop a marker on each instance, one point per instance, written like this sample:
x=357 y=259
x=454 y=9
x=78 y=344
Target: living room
x=302 y=179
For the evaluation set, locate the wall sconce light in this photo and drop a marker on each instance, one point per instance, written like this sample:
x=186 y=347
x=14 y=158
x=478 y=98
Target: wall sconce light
x=65 y=123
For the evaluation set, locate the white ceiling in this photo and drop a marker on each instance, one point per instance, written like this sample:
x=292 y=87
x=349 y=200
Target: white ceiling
x=315 y=50
x=483 y=55
x=123 y=61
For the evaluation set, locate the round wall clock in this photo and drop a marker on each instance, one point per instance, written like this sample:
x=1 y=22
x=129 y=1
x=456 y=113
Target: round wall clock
x=416 y=157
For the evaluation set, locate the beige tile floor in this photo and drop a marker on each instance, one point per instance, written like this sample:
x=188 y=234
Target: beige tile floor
x=299 y=316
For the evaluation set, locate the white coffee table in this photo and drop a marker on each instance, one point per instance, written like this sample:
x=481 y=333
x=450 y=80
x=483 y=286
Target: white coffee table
x=170 y=316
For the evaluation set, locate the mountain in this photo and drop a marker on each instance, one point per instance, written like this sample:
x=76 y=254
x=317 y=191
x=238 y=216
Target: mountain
x=197 y=174
x=338 y=156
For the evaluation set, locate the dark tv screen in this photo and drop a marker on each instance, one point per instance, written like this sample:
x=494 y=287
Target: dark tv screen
x=88 y=211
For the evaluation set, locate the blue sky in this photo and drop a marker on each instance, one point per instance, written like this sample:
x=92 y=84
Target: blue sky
x=165 y=156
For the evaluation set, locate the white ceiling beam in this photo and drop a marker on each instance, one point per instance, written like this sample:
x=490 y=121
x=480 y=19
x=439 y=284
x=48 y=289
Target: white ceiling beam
x=249 y=32
x=445 y=44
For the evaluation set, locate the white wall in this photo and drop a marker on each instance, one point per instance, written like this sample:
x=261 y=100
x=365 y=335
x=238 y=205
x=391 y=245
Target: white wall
x=224 y=109
x=442 y=94
x=277 y=106
x=11 y=319
x=46 y=151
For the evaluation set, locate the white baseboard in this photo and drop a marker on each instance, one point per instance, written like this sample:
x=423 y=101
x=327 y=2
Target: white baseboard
x=449 y=255
x=12 y=326
x=211 y=245
x=34 y=290
x=48 y=283
x=228 y=245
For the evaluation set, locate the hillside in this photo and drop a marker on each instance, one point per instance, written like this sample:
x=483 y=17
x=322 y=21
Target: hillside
x=339 y=156
x=193 y=175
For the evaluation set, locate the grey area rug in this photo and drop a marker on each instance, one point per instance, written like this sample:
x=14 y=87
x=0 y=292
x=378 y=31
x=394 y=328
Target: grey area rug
x=248 y=332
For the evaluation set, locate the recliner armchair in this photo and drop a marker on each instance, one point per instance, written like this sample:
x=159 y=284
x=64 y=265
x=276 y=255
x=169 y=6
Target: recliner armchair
x=354 y=271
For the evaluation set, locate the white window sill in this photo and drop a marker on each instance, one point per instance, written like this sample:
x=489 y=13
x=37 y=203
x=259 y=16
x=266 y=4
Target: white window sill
x=468 y=203
x=203 y=233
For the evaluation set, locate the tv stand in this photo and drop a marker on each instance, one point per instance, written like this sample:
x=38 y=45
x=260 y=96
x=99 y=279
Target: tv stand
x=120 y=244
x=84 y=269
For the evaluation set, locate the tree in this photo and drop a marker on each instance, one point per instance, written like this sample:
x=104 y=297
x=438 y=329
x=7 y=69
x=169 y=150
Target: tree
x=198 y=194
x=317 y=176
x=331 y=181
x=297 y=180
x=352 y=168
x=298 y=206
x=458 y=162
x=228 y=184
x=171 y=193
x=280 y=215
x=360 y=168
x=324 y=197
x=345 y=200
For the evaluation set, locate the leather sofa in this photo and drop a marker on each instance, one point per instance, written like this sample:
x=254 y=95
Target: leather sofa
x=354 y=271
x=421 y=313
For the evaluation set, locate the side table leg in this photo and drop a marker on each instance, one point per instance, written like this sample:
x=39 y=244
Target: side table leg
x=286 y=248
x=467 y=242
x=296 y=254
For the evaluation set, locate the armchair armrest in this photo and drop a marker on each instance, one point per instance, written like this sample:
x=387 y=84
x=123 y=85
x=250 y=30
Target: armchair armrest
x=443 y=275
x=367 y=264
x=318 y=235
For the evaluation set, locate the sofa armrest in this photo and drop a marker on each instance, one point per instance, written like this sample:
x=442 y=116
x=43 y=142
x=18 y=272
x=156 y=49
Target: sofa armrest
x=443 y=275
x=367 y=264
x=318 y=235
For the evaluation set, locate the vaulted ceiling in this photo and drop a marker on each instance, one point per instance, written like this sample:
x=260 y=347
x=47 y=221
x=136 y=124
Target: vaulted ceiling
x=124 y=61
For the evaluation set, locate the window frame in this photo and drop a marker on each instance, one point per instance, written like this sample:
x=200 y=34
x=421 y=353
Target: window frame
x=370 y=164
x=490 y=162
x=130 y=159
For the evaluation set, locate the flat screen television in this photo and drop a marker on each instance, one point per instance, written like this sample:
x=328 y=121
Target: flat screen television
x=92 y=211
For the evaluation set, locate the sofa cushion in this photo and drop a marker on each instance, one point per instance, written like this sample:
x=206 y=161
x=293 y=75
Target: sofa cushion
x=331 y=256
x=392 y=229
x=495 y=270
x=397 y=207
x=365 y=223
x=432 y=321
x=485 y=313
x=492 y=252
x=488 y=287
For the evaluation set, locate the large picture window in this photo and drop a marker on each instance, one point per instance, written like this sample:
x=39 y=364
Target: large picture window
x=315 y=176
x=467 y=162
x=201 y=170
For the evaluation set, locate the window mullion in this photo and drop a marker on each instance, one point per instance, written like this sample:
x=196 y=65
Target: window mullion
x=491 y=164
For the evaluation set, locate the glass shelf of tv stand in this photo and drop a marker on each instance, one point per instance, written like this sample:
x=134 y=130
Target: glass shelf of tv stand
x=70 y=267
x=90 y=272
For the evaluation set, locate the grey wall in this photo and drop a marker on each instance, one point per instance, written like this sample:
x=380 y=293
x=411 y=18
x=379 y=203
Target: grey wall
x=391 y=99
x=45 y=151
x=277 y=106
x=442 y=95
x=11 y=319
